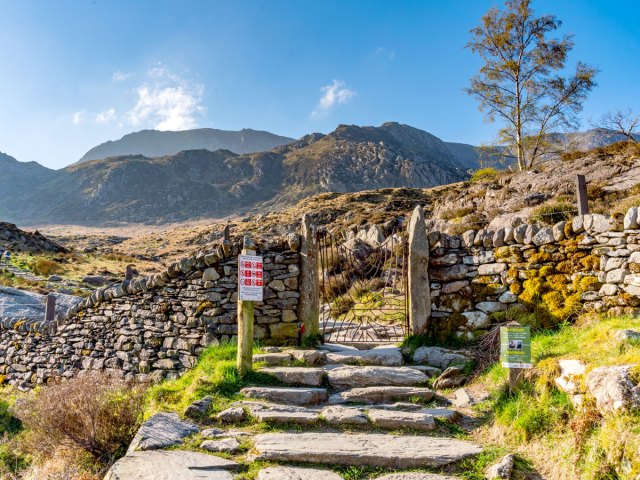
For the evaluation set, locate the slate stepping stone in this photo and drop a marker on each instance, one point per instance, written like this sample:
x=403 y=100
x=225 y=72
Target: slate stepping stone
x=394 y=419
x=295 y=473
x=291 y=396
x=272 y=359
x=353 y=377
x=337 y=415
x=390 y=356
x=171 y=465
x=228 y=445
x=378 y=450
x=416 y=476
x=381 y=394
x=278 y=416
x=310 y=377
x=310 y=357
x=232 y=415
x=161 y=431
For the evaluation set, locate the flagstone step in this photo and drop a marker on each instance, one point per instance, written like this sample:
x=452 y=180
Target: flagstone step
x=370 y=449
x=288 y=395
x=272 y=359
x=394 y=419
x=381 y=394
x=389 y=356
x=344 y=378
x=307 y=376
x=295 y=473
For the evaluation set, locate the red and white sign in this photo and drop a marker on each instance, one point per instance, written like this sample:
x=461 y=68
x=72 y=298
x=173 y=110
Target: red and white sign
x=250 y=277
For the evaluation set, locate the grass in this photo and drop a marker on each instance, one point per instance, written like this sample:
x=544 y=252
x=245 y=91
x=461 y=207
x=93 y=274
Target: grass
x=540 y=422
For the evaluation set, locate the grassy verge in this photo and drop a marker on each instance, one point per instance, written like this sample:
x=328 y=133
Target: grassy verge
x=540 y=422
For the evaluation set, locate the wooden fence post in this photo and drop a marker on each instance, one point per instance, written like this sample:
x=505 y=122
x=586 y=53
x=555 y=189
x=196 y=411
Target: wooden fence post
x=309 y=307
x=50 y=308
x=581 y=189
x=419 y=289
x=128 y=274
x=244 y=359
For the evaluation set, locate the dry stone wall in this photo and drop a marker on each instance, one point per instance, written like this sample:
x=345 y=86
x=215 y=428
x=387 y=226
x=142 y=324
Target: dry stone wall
x=155 y=327
x=591 y=263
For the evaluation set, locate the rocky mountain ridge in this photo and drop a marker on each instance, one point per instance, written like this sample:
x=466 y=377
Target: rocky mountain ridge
x=203 y=183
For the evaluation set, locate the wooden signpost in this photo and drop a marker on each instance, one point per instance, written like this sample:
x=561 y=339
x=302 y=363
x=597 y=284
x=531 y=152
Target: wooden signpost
x=581 y=189
x=250 y=285
x=515 y=351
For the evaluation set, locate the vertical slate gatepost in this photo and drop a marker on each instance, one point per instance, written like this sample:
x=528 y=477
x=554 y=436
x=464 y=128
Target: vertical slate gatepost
x=50 y=308
x=244 y=359
x=309 y=306
x=581 y=188
x=419 y=290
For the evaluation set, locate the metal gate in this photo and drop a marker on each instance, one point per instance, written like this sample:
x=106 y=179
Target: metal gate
x=363 y=288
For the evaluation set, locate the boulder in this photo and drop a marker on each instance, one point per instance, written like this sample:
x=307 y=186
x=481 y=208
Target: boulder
x=632 y=219
x=439 y=357
x=452 y=377
x=501 y=470
x=613 y=388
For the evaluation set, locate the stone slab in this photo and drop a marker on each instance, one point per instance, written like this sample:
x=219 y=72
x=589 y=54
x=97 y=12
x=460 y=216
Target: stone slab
x=272 y=359
x=381 y=394
x=416 y=476
x=379 y=450
x=227 y=445
x=394 y=419
x=389 y=357
x=353 y=377
x=170 y=465
x=277 y=416
x=161 y=431
x=337 y=415
x=296 y=473
x=310 y=377
x=291 y=396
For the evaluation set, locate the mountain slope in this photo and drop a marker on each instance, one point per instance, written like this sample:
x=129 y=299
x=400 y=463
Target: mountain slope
x=154 y=143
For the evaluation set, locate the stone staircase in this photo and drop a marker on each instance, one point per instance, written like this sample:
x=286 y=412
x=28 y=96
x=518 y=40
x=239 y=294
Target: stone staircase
x=335 y=407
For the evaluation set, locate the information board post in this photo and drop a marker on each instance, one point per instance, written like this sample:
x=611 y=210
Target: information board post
x=250 y=284
x=515 y=351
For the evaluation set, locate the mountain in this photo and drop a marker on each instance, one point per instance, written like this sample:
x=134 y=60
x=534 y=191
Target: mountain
x=155 y=143
x=205 y=183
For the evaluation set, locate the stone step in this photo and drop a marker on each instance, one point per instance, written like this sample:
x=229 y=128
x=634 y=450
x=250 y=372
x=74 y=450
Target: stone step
x=295 y=473
x=394 y=419
x=344 y=378
x=381 y=394
x=389 y=356
x=170 y=465
x=370 y=449
x=283 y=417
x=288 y=395
x=307 y=376
x=272 y=359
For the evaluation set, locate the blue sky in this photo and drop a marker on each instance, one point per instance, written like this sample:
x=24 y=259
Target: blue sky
x=76 y=73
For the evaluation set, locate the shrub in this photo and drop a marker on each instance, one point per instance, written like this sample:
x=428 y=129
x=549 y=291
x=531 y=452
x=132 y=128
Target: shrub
x=44 y=267
x=623 y=206
x=456 y=213
x=552 y=213
x=485 y=175
x=96 y=413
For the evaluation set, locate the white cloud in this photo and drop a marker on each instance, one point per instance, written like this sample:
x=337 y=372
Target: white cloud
x=78 y=117
x=335 y=94
x=168 y=102
x=121 y=76
x=105 y=116
x=383 y=52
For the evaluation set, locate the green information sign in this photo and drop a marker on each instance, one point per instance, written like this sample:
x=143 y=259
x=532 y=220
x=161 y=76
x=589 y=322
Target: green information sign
x=515 y=347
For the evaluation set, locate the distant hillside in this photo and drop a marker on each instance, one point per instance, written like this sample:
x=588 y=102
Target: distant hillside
x=203 y=183
x=154 y=143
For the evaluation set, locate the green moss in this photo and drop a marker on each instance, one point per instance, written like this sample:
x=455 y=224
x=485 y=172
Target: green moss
x=589 y=284
x=546 y=271
x=558 y=282
x=568 y=230
x=533 y=290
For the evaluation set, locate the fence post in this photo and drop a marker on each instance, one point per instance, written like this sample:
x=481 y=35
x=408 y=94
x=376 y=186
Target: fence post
x=128 y=275
x=309 y=307
x=244 y=359
x=581 y=189
x=419 y=289
x=50 y=308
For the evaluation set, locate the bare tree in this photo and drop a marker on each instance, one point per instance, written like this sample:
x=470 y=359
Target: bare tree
x=518 y=83
x=617 y=122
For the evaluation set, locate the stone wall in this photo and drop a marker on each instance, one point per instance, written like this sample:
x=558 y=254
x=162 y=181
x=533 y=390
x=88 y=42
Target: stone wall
x=591 y=263
x=155 y=326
